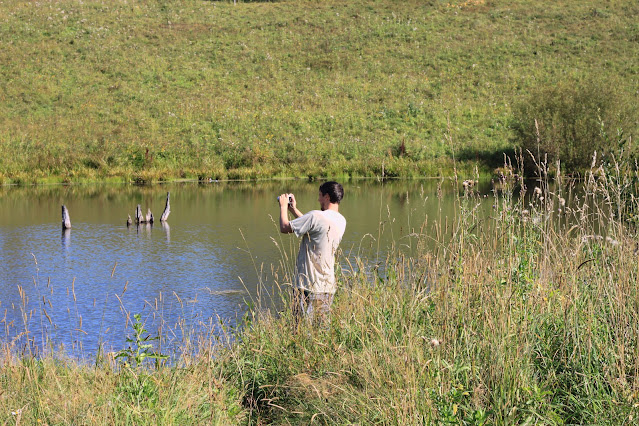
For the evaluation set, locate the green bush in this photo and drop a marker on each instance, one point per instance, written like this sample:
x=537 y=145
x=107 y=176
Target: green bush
x=573 y=120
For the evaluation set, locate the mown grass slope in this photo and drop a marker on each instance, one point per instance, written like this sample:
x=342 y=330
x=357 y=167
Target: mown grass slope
x=164 y=89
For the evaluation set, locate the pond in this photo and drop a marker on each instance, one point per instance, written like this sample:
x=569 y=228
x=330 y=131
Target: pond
x=219 y=253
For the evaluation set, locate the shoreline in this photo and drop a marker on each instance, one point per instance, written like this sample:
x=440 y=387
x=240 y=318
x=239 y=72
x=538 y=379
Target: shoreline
x=410 y=170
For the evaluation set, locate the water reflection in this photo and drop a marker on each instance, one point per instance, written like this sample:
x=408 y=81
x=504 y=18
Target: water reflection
x=145 y=229
x=167 y=231
x=66 y=238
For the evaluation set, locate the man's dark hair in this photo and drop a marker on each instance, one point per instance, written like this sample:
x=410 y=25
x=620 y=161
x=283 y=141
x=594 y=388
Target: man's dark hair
x=334 y=190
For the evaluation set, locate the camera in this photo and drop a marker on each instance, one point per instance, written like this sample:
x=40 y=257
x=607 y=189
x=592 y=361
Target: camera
x=290 y=199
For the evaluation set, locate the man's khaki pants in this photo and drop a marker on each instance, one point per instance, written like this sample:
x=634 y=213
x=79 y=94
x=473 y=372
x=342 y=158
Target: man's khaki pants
x=315 y=307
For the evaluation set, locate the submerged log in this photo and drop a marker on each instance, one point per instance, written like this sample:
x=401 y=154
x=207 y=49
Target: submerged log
x=167 y=209
x=66 y=220
x=138 y=215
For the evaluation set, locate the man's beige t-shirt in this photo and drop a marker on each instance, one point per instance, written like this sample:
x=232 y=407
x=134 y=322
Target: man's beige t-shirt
x=321 y=233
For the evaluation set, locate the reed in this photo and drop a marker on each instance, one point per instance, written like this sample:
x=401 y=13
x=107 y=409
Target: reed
x=520 y=313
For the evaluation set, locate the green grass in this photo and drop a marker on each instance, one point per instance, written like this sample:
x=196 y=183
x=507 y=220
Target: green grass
x=522 y=314
x=196 y=89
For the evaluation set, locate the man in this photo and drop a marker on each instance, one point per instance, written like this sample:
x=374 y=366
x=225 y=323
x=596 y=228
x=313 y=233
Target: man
x=321 y=232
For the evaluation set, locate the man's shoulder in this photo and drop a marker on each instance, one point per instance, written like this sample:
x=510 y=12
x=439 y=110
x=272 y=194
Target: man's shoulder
x=334 y=214
x=336 y=218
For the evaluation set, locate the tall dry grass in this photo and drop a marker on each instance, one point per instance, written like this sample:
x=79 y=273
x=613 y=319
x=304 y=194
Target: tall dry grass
x=524 y=314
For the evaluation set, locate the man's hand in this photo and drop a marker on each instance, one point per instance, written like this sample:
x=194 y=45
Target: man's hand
x=292 y=206
x=283 y=199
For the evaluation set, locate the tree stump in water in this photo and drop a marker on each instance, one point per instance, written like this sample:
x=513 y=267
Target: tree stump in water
x=138 y=215
x=167 y=209
x=139 y=218
x=66 y=220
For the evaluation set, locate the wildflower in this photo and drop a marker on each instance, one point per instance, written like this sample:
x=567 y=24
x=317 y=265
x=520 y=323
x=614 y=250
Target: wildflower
x=434 y=342
x=537 y=191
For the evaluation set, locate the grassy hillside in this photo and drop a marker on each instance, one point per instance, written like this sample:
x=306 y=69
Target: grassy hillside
x=164 y=89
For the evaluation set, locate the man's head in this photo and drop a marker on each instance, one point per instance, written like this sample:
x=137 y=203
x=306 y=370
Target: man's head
x=330 y=192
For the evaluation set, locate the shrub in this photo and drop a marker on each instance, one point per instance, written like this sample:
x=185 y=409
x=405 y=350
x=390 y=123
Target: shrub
x=573 y=119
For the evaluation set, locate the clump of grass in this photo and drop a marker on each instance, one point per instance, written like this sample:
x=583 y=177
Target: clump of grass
x=570 y=119
x=53 y=391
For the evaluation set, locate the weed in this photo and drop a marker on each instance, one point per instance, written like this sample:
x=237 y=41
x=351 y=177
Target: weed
x=139 y=348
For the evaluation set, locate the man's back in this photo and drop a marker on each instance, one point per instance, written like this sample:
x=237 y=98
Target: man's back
x=321 y=233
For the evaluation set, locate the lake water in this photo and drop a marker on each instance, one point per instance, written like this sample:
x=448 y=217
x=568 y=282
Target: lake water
x=220 y=251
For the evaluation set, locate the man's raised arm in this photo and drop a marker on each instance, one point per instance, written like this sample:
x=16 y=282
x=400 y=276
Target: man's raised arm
x=285 y=225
